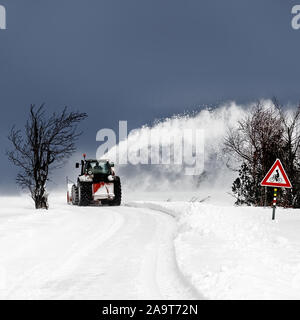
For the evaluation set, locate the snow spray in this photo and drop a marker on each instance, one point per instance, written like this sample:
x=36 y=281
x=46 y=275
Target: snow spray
x=174 y=151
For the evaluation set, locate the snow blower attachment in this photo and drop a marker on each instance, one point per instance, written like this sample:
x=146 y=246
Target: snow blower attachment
x=97 y=183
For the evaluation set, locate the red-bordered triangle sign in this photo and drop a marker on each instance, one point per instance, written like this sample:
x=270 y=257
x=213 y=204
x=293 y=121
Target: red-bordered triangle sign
x=276 y=177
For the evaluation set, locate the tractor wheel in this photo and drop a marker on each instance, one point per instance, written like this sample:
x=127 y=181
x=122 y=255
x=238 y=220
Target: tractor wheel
x=118 y=193
x=85 y=194
x=75 y=195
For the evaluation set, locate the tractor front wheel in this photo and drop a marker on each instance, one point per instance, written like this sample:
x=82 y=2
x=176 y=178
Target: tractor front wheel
x=85 y=194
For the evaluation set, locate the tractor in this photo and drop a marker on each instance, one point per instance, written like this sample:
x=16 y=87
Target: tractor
x=96 y=184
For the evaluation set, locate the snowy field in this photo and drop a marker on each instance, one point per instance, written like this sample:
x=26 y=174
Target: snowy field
x=150 y=249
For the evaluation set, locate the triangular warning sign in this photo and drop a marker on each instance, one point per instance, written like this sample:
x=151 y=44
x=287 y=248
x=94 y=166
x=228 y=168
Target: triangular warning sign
x=276 y=177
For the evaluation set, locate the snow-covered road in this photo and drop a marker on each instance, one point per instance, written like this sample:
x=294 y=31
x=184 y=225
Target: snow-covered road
x=88 y=253
x=148 y=249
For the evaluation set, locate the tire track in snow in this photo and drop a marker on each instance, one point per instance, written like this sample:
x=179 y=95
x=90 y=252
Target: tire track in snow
x=170 y=283
x=96 y=253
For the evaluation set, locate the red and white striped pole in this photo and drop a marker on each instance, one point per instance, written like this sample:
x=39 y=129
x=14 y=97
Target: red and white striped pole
x=274 y=203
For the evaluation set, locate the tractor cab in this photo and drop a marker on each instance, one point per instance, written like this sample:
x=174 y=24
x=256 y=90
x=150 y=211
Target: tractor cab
x=98 y=169
x=95 y=167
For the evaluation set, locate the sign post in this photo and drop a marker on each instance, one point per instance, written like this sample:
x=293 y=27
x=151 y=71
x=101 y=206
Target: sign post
x=276 y=178
x=274 y=203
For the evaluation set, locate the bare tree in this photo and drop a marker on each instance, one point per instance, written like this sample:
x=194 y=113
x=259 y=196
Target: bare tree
x=44 y=146
x=256 y=142
x=266 y=133
x=258 y=137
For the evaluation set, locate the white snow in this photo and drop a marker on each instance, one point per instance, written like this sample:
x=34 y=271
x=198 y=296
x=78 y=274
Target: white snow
x=148 y=250
x=231 y=252
x=87 y=253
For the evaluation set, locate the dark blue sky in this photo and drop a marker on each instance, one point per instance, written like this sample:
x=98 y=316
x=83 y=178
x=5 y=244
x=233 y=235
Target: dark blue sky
x=138 y=60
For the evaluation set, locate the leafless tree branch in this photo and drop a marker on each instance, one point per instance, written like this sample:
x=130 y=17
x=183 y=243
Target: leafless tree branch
x=44 y=146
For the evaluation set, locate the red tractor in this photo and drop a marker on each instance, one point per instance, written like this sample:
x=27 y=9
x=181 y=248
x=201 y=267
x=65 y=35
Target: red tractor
x=97 y=183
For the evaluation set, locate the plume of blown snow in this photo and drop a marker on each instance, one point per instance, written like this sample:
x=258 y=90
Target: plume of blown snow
x=153 y=177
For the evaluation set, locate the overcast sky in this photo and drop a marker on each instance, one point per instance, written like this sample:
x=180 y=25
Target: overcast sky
x=138 y=60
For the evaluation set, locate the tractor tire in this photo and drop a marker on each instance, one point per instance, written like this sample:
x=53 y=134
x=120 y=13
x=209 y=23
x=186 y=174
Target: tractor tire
x=118 y=193
x=84 y=194
x=75 y=195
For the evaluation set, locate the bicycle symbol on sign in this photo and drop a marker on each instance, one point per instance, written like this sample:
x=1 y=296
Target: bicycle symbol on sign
x=276 y=177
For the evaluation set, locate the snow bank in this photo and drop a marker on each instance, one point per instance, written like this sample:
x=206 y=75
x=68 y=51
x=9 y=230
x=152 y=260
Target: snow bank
x=236 y=252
